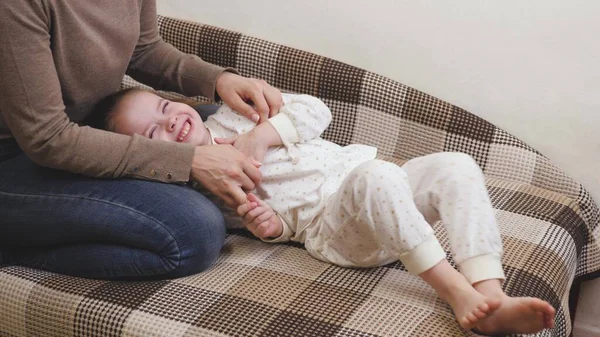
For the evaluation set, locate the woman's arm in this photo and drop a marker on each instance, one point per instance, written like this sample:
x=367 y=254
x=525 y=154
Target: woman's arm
x=32 y=107
x=160 y=65
x=226 y=172
x=163 y=67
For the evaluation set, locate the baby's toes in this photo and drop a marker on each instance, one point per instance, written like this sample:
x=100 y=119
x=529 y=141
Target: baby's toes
x=465 y=323
x=479 y=313
x=484 y=307
x=472 y=318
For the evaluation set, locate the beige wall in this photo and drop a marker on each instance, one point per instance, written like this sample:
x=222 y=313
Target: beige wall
x=530 y=67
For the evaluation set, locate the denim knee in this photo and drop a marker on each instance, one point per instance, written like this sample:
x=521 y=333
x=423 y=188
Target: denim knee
x=117 y=229
x=199 y=232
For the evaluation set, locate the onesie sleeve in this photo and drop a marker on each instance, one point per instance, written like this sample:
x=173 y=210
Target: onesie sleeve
x=302 y=118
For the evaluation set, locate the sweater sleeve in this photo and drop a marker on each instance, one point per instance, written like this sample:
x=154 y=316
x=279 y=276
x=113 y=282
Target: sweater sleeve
x=302 y=118
x=163 y=67
x=32 y=106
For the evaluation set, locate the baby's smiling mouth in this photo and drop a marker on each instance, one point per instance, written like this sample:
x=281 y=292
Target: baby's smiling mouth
x=185 y=130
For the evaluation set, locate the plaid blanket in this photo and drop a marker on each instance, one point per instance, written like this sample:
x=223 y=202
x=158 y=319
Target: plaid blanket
x=549 y=225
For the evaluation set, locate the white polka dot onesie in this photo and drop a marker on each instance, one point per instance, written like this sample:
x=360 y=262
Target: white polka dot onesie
x=352 y=210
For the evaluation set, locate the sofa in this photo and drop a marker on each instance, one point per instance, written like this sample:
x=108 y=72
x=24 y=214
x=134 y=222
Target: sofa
x=548 y=222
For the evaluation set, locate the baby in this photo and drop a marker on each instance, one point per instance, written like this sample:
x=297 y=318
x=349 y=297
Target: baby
x=352 y=210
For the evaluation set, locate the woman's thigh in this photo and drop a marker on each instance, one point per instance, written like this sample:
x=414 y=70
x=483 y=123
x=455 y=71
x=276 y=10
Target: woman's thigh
x=45 y=210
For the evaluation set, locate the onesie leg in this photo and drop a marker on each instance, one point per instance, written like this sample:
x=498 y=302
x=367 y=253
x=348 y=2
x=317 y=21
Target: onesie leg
x=451 y=187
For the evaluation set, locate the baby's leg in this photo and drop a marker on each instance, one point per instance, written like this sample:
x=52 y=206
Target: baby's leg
x=451 y=186
x=372 y=220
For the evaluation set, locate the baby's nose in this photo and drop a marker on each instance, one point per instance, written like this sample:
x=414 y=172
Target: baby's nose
x=171 y=123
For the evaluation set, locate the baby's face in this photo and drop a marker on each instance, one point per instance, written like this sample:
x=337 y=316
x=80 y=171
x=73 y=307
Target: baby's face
x=154 y=117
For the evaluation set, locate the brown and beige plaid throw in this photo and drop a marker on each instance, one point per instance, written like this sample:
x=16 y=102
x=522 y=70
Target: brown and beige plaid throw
x=548 y=222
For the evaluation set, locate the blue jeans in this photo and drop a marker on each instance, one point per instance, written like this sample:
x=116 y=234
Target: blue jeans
x=106 y=229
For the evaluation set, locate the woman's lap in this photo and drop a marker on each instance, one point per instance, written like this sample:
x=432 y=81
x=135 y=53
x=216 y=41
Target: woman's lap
x=117 y=229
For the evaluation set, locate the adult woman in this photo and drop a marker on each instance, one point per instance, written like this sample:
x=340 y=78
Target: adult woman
x=58 y=59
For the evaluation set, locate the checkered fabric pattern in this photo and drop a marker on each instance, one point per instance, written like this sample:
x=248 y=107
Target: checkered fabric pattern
x=549 y=225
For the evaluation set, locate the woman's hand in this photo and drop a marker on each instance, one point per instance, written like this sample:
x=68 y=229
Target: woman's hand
x=254 y=144
x=250 y=144
x=226 y=172
x=237 y=91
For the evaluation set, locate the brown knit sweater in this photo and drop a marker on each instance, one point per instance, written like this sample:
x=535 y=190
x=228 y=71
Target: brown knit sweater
x=58 y=58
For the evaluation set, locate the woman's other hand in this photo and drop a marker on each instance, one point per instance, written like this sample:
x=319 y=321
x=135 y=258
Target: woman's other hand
x=237 y=92
x=225 y=171
x=249 y=144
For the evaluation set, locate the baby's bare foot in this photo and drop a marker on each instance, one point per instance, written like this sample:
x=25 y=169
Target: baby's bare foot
x=523 y=315
x=470 y=307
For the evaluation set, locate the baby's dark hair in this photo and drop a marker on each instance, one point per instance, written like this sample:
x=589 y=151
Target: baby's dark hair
x=103 y=116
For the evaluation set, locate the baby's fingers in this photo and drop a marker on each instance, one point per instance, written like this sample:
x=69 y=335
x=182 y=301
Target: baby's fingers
x=253 y=225
x=253 y=214
x=267 y=229
x=243 y=209
x=230 y=140
x=253 y=198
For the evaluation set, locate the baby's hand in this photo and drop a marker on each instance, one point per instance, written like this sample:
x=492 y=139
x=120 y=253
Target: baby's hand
x=259 y=218
x=252 y=144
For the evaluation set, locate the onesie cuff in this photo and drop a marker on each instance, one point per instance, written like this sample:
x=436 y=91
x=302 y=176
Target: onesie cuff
x=423 y=257
x=285 y=235
x=482 y=267
x=285 y=128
